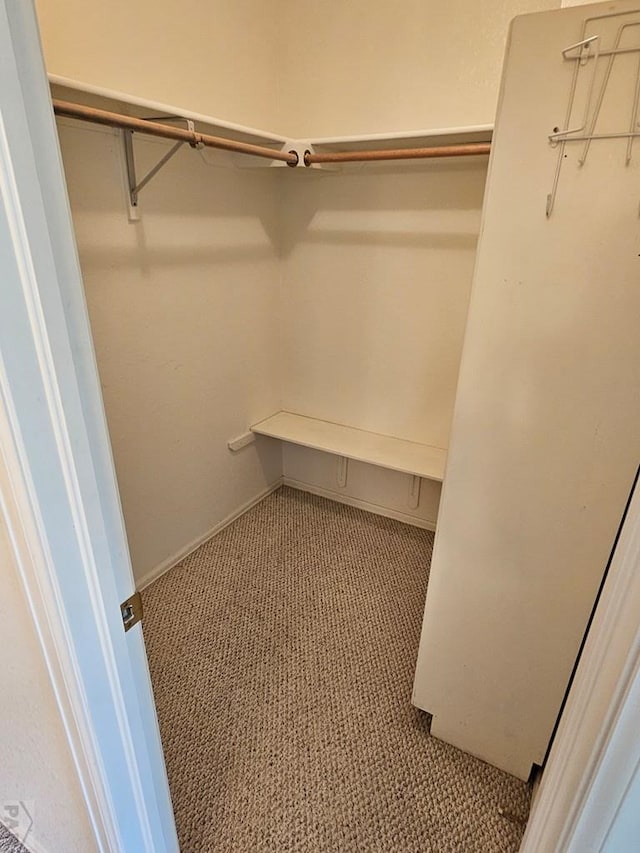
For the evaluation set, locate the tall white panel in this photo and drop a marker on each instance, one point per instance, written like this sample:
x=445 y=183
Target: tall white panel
x=546 y=437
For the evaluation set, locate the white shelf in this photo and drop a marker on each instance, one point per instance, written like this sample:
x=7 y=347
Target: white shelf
x=121 y=102
x=409 y=138
x=397 y=454
x=98 y=96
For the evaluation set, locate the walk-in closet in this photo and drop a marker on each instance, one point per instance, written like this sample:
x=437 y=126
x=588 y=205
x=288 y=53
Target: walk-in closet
x=356 y=302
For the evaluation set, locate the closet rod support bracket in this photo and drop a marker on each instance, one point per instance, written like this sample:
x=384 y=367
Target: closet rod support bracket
x=133 y=184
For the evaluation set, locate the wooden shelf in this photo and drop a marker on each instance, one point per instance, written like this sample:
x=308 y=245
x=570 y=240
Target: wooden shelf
x=408 y=457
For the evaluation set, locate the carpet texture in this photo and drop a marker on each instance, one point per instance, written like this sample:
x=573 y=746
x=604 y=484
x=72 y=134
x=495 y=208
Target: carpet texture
x=9 y=843
x=282 y=654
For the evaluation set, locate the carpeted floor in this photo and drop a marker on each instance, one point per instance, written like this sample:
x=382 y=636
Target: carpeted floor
x=9 y=843
x=282 y=654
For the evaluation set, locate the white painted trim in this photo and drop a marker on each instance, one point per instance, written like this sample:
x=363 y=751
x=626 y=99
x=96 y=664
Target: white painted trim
x=35 y=562
x=163 y=567
x=376 y=509
x=8 y=190
x=62 y=483
x=236 y=444
x=596 y=749
x=34 y=567
x=478 y=132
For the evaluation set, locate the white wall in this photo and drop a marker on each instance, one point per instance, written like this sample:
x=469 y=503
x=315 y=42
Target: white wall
x=377 y=273
x=217 y=58
x=300 y=68
x=184 y=311
x=377 y=266
x=375 y=262
x=35 y=761
x=378 y=260
x=362 y=67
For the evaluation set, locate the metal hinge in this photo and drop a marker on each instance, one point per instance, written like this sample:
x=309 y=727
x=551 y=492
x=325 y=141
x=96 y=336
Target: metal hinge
x=131 y=611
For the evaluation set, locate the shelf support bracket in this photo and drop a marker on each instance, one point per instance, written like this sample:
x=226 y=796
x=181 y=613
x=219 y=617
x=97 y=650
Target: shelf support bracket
x=132 y=182
x=413 y=501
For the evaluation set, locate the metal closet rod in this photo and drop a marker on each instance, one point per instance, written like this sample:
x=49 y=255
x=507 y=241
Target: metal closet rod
x=154 y=128
x=461 y=150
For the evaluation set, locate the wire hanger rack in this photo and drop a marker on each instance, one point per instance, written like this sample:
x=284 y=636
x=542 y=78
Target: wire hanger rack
x=593 y=58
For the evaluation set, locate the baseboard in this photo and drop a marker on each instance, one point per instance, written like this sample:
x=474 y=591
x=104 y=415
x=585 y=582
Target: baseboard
x=424 y=524
x=153 y=574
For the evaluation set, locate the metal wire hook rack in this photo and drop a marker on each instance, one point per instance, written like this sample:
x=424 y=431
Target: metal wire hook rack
x=589 y=51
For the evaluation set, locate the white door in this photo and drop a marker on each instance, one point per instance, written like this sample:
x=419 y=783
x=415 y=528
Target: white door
x=545 y=442
x=57 y=441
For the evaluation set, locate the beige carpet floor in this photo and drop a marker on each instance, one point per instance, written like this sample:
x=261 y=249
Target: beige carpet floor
x=282 y=654
x=9 y=843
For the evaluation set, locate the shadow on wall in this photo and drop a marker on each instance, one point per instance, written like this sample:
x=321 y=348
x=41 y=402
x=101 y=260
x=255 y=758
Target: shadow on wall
x=192 y=212
x=204 y=211
x=148 y=257
x=428 y=204
x=378 y=262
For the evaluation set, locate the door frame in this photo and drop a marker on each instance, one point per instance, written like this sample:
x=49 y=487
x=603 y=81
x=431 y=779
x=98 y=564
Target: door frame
x=595 y=756
x=58 y=490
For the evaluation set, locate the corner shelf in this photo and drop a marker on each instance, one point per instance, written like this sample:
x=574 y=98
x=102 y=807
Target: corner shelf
x=410 y=138
x=98 y=96
x=409 y=457
x=121 y=102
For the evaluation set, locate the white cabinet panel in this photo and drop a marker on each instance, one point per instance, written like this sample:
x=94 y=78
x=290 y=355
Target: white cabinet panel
x=546 y=436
